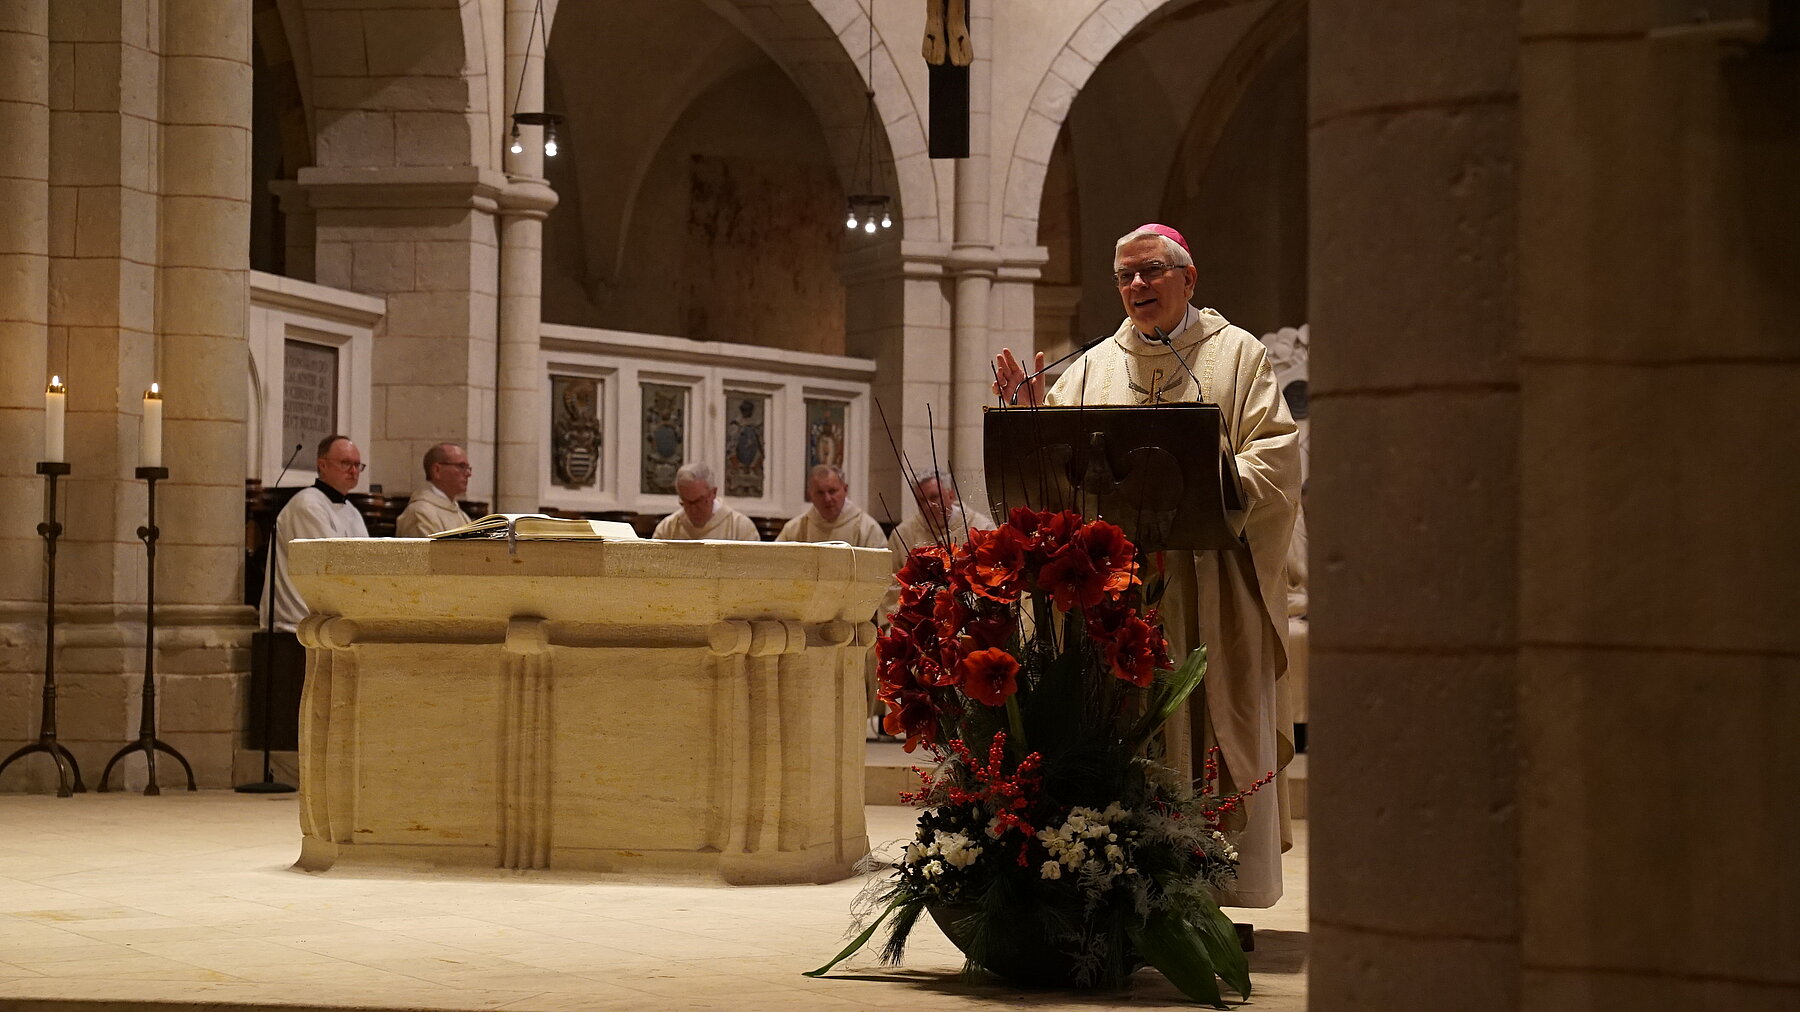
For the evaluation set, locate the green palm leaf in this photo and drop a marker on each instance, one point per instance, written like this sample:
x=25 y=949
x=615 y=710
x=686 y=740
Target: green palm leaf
x=1168 y=695
x=861 y=940
x=1173 y=946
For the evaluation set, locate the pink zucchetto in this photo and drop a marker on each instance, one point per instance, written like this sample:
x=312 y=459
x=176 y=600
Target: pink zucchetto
x=1166 y=232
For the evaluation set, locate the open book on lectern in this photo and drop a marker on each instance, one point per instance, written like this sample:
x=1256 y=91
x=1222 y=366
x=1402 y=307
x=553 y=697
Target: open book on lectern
x=538 y=527
x=1165 y=473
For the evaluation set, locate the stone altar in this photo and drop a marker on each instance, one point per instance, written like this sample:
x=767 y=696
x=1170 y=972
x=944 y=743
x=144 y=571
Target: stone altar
x=646 y=707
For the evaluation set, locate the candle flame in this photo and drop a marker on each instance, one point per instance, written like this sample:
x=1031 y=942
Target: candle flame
x=56 y=385
x=155 y=391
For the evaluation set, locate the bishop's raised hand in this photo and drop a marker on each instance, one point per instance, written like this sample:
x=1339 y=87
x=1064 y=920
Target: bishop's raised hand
x=1011 y=383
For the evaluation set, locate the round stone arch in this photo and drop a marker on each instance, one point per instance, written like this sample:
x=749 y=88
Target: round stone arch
x=824 y=46
x=386 y=86
x=1088 y=45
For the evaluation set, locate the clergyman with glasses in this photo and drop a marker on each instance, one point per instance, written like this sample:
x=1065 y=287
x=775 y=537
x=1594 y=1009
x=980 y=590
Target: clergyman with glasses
x=1167 y=350
x=702 y=517
x=433 y=506
x=323 y=510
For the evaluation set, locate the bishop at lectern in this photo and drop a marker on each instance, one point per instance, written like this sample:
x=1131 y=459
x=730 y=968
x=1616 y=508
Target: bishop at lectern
x=1233 y=601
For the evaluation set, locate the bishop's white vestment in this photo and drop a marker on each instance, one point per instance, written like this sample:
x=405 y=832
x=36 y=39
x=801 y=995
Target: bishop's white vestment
x=1235 y=602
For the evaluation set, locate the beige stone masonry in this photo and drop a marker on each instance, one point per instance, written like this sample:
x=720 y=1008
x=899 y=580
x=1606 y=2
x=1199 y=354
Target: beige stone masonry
x=425 y=238
x=127 y=208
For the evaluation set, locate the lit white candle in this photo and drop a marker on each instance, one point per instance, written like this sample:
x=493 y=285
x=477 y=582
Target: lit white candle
x=150 y=441
x=55 y=402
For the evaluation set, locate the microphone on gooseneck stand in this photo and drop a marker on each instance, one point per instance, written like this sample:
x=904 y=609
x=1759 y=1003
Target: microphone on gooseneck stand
x=268 y=784
x=1034 y=374
x=290 y=463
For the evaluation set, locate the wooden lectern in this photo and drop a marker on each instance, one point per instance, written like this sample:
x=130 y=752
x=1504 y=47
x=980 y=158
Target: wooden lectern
x=1165 y=473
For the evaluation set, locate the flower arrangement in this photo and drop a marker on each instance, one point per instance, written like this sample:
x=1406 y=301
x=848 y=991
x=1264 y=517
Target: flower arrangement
x=1029 y=663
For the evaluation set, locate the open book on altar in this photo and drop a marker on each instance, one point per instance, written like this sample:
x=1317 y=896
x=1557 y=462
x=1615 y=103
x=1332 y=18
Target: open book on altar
x=538 y=527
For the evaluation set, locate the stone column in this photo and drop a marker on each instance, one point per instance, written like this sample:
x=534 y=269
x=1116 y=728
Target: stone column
x=1414 y=506
x=202 y=322
x=972 y=263
x=1660 y=658
x=524 y=204
x=899 y=315
x=24 y=366
x=106 y=78
x=147 y=176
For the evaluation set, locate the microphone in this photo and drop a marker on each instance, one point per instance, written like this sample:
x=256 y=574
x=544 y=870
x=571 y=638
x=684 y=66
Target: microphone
x=1078 y=351
x=290 y=463
x=1035 y=374
x=1169 y=342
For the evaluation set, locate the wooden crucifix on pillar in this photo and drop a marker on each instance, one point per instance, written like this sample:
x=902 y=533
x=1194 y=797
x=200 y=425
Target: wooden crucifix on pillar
x=948 y=53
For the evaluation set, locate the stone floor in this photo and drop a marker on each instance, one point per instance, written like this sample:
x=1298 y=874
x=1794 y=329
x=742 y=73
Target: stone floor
x=118 y=901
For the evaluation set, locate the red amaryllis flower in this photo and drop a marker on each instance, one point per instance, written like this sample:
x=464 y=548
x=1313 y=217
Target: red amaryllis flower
x=1024 y=519
x=991 y=626
x=949 y=612
x=994 y=564
x=1071 y=579
x=1112 y=554
x=989 y=676
x=1133 y=649
x=1054 y=531
x=925 y=565
x=911 y=715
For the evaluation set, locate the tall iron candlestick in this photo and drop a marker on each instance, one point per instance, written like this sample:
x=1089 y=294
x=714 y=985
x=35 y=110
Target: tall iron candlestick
x=147 y=741
x=68 y=772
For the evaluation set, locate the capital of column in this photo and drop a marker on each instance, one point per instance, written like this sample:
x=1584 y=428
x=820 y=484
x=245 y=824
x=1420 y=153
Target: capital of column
x=527 y=197
x=972 y=260
x=918 y=259
x=403 y=186
x=1004 y=263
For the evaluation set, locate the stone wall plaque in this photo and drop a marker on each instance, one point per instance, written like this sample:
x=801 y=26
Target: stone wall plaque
x=575 y=431
x=665 y=436
x=746 y=422
x=824 y=432
x=309 y=385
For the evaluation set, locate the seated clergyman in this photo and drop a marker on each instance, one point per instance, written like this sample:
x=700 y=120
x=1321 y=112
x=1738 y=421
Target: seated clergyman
x=833 y=517
x=942 y=518
x=321 y=511
x=702 y=517
x=433 y=506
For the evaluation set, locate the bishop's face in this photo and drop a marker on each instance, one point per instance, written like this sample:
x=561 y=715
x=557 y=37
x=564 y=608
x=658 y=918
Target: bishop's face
x=1161 y=299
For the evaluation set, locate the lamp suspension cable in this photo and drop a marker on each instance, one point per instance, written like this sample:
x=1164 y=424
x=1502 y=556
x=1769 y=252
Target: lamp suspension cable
x=868 y=209
x=547 y=120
